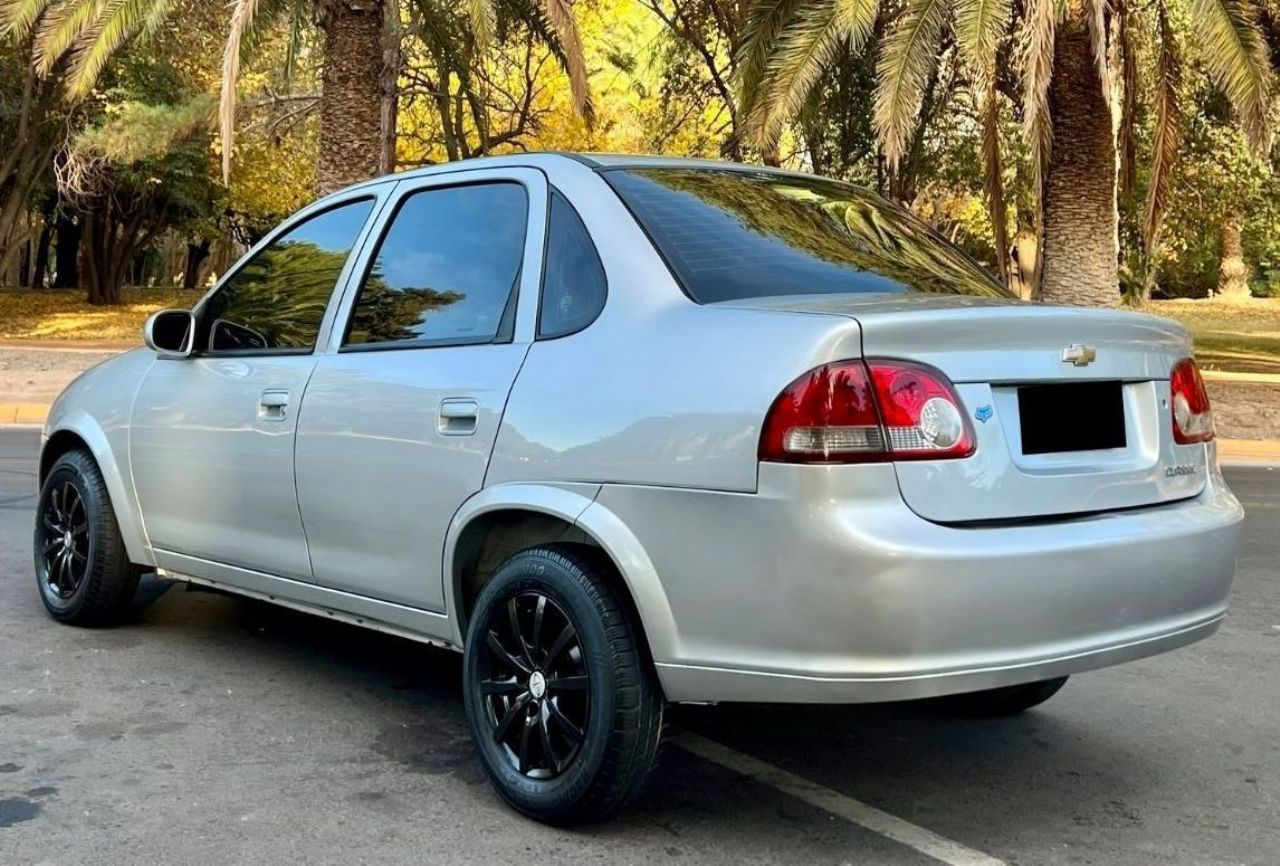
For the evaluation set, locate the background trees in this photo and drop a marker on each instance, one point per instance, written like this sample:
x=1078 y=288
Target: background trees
x=1079 y=148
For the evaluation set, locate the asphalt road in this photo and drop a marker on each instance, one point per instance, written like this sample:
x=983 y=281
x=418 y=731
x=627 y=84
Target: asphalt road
x=219 y=730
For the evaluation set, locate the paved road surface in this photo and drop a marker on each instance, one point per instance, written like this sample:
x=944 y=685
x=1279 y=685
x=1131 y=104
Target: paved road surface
x=219 y=730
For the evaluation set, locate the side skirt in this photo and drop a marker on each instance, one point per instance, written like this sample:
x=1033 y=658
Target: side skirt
x=288 y=599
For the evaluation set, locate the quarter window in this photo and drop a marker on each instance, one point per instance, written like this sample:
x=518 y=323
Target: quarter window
x=277 y=300
x=446 y=270
x=573 y=281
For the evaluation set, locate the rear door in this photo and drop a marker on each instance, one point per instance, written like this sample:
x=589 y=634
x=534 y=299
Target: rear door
x=400 y=415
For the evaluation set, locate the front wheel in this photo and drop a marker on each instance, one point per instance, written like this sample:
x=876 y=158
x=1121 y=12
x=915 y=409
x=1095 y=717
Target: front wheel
x=82 y=568
x=1007 y=701
x=561 y=700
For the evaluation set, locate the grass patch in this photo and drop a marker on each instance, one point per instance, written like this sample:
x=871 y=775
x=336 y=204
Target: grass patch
x=63 y=314
x=1238 y=337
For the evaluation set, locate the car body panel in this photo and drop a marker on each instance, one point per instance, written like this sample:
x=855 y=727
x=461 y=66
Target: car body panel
x=751 y=580
x=95 y=407
x=381 y=467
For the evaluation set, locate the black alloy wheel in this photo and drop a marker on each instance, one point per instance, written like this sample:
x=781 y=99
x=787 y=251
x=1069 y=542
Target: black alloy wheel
x=82 y=568
x=562 y=700
x=65 y=540
x=536 y=685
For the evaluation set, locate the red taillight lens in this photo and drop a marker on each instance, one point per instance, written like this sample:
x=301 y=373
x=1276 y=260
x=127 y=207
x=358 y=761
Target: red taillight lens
x=853 y=412
x=1192 y=416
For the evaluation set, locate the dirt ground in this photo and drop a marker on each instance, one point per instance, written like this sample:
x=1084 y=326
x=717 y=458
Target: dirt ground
x=1245 y=410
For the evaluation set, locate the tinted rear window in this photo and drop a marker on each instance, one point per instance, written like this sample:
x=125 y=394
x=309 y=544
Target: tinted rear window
x=732 y=234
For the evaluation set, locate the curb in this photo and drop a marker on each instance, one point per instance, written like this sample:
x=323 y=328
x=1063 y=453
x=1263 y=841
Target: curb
x=25 y=414
x=1252 y=378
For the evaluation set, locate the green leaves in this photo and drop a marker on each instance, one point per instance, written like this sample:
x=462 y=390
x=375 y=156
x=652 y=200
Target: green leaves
x=979 y=26
x=1235 y=54
x=1039 y=30
x=908 y=56
x=1168 y=132
x=804 y=47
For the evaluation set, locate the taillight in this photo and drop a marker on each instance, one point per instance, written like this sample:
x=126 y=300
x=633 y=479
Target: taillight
x=856 y=412
x=1192 y=416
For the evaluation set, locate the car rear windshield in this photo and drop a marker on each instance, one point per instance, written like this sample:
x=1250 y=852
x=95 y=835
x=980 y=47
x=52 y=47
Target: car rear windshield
x=730 y=234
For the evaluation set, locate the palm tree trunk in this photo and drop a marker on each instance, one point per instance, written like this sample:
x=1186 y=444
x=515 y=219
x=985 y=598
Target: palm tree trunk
x=1081 y=245
x=1233 y=271
x=351 y=139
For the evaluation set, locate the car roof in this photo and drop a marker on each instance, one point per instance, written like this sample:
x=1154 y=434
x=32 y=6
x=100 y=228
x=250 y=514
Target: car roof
x=550 y=159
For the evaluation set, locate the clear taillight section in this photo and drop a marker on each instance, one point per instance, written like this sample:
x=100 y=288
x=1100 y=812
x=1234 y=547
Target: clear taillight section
x=859 y=412
x=1192 y=416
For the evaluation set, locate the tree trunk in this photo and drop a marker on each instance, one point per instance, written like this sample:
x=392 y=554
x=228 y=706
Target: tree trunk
x=41 y=270
x=196 y=254
x=1233 y=272
x=1081 y=244
x=66 y=257
x=351 y=140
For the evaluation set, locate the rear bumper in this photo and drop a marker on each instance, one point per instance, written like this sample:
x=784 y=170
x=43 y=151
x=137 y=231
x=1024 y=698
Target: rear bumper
x=824 y=587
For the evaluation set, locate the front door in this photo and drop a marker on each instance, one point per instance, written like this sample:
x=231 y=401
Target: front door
x=398 y=422
x=212 y=436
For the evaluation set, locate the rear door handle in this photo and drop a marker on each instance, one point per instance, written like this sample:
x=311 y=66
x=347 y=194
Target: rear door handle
x=273 y=405
x=458 y=416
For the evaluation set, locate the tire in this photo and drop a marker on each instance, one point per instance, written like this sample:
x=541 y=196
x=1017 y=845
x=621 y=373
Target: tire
x=1007 y=701
x=596 y=679
x=82 y=569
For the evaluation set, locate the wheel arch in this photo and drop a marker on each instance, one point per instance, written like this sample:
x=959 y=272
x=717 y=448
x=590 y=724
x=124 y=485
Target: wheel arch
x=504 y=519
x=80 y=431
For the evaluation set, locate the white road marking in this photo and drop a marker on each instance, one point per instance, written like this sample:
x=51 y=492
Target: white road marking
x=869 y=817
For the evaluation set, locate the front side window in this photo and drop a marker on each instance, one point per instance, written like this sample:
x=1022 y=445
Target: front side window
x=446 y=270
x=734 y=234
x=276 y=301
x=573 y=282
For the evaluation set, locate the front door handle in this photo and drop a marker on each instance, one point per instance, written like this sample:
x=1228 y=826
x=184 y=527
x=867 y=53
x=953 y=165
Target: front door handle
x=273 y=405
x=458 y=416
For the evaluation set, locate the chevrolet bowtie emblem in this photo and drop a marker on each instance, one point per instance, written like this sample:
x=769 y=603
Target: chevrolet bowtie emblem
x=1079 y=354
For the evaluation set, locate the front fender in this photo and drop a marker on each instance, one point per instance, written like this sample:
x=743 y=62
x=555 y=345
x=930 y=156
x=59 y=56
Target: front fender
x=575 y=504
x=103 y=443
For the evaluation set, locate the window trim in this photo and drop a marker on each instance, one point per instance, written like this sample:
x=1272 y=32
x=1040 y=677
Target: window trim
x=507 y=322
x=299 y=219
x=554 y=192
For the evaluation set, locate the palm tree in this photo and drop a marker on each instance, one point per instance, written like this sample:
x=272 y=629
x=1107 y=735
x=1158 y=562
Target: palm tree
x=1064 y=48
x=358 y=78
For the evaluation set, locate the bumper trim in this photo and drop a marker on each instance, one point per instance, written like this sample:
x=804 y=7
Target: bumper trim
x=702 y=684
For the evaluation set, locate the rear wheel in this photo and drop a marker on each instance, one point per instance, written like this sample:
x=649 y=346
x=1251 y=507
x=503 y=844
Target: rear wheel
x=561 y=700
x=1007 y=701
x=82 y=569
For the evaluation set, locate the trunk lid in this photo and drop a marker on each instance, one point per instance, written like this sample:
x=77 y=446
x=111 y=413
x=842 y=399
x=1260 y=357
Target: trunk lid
x=1006 y=360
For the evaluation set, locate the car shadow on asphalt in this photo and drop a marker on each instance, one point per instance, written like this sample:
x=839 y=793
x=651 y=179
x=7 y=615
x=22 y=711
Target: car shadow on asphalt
x=958 y=776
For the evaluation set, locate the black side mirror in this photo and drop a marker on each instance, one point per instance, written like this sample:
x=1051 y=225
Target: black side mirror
x=169 y=333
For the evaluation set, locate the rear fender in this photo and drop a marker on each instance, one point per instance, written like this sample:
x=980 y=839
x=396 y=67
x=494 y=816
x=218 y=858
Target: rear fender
x=575 y=504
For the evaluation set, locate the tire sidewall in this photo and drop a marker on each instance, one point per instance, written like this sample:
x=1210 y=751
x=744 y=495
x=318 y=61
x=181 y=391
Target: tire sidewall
x=67 y=469
x=564 y=585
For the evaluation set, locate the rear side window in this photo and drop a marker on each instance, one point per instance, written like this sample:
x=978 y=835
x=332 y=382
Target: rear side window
x=277 y=300
x=573 y=281
x=446 y=269
x=733 y=234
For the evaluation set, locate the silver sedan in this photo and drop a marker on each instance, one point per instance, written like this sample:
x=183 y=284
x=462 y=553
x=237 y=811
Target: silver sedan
x=630 y=431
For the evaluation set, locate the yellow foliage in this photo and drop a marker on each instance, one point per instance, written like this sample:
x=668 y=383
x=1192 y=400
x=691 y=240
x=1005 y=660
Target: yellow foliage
x=58 y=314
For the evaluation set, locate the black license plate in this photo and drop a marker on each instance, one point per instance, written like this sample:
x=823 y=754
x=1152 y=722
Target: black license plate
x=1077 y=416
